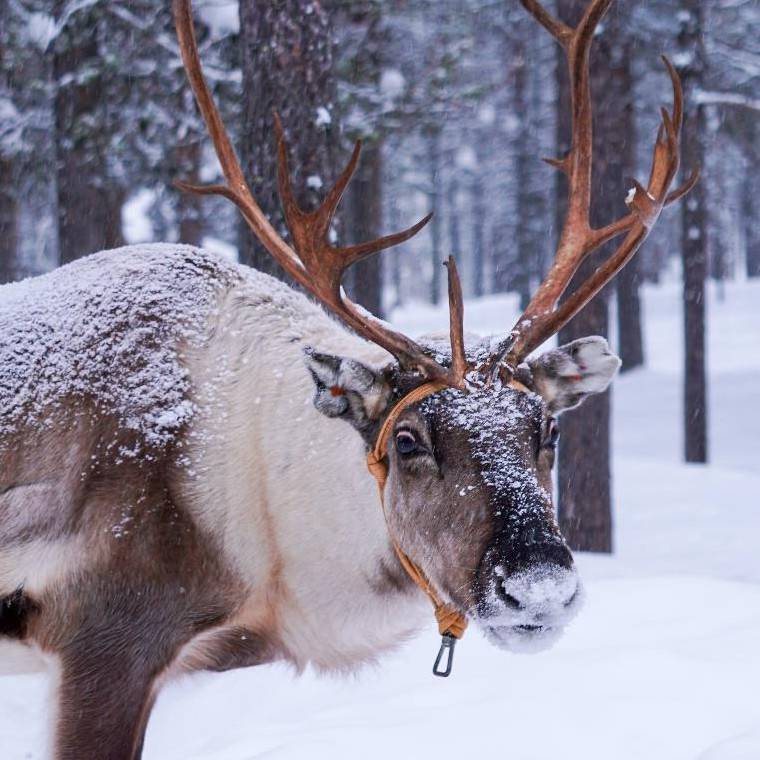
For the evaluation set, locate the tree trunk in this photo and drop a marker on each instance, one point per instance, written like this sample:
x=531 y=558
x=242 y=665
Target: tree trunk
x=630 y=336
x=8 y=221
x=693 y=231
x=189 y=206
x=395 y=258
x=365 y=220
x=585 y=509
x=526 y=252
x=287 y=67
x=8 y=204
x=622 y=140
x=478 y=232
x=364 y=203
x=751 y=216
x=452 y=213
x=436 y=256
x=89 y=207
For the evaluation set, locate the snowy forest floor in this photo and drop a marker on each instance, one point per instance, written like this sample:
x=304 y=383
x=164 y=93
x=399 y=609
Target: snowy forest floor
x=662 y=664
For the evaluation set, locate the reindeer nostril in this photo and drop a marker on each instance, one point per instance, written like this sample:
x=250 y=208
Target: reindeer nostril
x=508 y=599
x=572 y=598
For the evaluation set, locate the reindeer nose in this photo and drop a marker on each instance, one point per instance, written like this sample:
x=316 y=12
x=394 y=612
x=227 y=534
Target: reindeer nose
x=539 y=591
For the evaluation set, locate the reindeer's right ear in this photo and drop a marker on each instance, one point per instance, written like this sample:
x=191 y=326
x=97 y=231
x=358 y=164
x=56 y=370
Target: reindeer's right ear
x=348 y=388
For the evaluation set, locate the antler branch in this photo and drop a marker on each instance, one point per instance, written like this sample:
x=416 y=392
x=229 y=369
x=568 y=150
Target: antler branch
x=578 y=239
x=312 y=261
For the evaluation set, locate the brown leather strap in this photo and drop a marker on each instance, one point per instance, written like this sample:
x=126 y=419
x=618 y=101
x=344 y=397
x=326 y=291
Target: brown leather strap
x=449 y=619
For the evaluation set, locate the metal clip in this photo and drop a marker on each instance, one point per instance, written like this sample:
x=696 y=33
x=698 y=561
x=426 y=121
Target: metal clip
x=447 y=648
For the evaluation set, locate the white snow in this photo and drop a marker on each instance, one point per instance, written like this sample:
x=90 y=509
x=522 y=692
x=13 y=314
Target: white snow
x=392 y=83
x=221 y=16
x=135 y=217
x=109 y=329
x=323 y=118
x=662 y=663
x=40 y=30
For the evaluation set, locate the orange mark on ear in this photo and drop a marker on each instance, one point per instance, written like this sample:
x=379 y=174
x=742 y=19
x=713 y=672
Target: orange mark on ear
x=336 y=390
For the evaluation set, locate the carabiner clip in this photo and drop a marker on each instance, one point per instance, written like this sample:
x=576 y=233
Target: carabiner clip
x=447 y=648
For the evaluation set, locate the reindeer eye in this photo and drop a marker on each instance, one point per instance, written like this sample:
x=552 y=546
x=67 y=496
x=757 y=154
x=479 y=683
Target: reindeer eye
x=405 y=443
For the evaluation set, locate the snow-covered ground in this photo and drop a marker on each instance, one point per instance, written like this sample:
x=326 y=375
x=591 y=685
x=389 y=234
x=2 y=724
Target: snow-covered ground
x=662 y=664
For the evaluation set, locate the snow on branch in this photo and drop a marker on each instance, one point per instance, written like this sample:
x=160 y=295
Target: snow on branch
x=728 y=99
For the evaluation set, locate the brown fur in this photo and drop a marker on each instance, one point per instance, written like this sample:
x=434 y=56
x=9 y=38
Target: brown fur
x=151 y=583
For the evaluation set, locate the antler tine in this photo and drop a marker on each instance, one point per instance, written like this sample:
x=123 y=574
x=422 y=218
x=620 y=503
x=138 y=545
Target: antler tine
x=675 y=81
x=576 y=43
x=542 y=317
x=312 y=262
x=561 y=32
x=456 y=323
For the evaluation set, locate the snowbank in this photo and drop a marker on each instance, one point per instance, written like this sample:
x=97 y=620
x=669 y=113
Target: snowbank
x=662 y=664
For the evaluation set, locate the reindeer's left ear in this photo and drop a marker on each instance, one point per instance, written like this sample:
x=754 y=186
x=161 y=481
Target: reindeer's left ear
x=569 y=374
x=348 y=388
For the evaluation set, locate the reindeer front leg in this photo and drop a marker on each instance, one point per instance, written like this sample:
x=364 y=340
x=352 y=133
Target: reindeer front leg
x=118 y=634
x=105 y=697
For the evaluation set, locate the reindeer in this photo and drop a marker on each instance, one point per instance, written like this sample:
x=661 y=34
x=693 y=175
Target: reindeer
x=171 y=500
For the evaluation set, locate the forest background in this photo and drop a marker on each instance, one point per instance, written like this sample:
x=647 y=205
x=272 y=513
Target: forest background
x=455 y=100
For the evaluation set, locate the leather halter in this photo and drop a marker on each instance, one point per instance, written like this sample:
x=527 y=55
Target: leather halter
x=451 y=623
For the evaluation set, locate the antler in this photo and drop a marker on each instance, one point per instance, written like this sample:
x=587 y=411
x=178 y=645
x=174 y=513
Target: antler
x=312 y=261
x=542 y=318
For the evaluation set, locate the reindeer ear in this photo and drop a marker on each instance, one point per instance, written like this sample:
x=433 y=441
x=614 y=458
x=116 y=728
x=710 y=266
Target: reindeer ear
x=347 y=388
x=566 y=376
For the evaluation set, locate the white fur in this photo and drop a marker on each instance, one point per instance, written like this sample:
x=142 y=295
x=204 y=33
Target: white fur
x=17 y=657
x=278 y=482
x=37 y=564
x=594 y=363
x=581 y=368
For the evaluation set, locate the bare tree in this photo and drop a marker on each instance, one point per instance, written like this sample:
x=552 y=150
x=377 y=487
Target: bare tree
x=435 y=163
x=479 y=214
x=362 y=35
x=617 y=45
x=584 y=467
x=691 y=63
x=89 y=204
x=751 y=200
x=364 y=221
x=8 y=218
x=8 y=205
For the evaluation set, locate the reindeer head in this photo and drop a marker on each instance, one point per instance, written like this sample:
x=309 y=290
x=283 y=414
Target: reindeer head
x=468 y=492
x=469 y=488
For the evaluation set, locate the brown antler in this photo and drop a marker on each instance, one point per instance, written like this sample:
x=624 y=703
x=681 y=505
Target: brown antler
x=312 y=261
x=542 y=318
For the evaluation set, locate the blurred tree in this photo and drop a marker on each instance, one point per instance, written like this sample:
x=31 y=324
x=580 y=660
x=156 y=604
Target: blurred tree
x=8 y=204
x=620 y=155
x=478 y=254
x=89 y=200
x=585 y=477
x=287 y=66
x=751 y=199
x=692 y=65
x=435 y=177
x=360 y=56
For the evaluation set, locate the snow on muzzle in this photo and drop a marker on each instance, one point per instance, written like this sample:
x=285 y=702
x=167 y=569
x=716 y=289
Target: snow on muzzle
x=528 y=609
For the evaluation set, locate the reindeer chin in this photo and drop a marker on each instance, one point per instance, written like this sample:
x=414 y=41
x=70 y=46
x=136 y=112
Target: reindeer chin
x=523 y=639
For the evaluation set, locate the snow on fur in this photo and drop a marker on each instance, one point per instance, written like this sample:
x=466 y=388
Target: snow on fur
x=110 y=329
